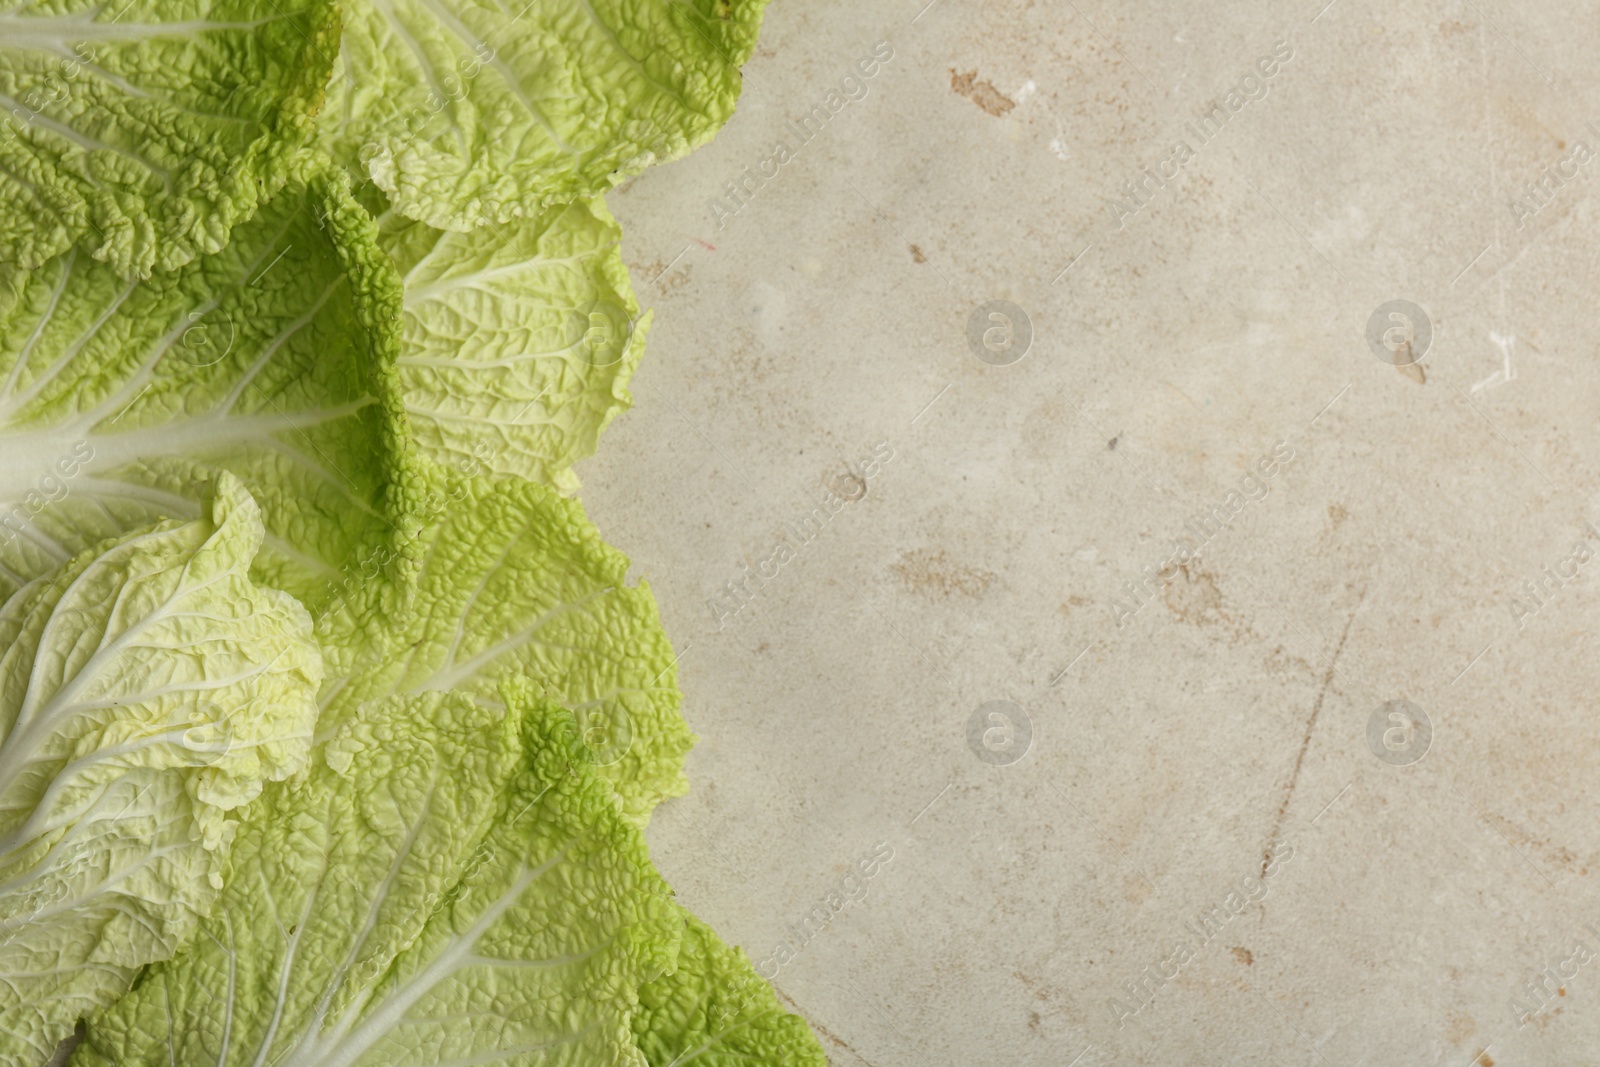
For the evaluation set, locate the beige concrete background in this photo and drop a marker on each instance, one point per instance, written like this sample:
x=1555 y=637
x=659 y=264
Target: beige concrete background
x=1408 y=908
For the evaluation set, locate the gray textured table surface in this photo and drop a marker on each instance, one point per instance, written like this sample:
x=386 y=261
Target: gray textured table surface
x=1204 y=535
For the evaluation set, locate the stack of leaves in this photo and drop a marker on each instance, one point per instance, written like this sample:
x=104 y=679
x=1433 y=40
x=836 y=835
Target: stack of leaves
x=329 y=725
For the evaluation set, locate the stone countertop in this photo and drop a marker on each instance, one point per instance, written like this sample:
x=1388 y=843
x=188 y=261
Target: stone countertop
x=1192 y=664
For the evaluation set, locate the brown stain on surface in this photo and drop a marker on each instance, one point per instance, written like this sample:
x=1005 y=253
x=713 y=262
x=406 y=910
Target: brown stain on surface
x=1280 y=662
x=982 y=93
x=917 y=255
x=1135 y=890
x=1415 y=372
x=1193 y=596
x=1243 y=955
x=1462 y=1026
x=931 y=571
x=656 y=272
x=1526 y=839
x=1049 y=996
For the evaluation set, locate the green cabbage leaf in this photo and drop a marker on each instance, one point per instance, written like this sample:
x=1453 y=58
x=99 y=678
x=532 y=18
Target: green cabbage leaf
x=713 y=1010
x=518 y=341
x=514 y=581
x=148 y=690
x=329 y=723
x=149 y=129
x=450 y=884
x=272 y=359
x=471 y=112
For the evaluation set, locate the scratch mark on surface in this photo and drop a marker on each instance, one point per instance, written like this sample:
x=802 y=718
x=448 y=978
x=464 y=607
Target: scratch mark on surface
x=1305 y=742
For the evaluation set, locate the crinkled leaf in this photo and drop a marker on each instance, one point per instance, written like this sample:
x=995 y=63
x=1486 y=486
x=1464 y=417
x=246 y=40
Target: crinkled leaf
x=469 y=112
x=147 y=689
x=518 y=341
x=514 y=580
x=272 y=359
x=333 y=945
x=714 y=1010
x=151 y=128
